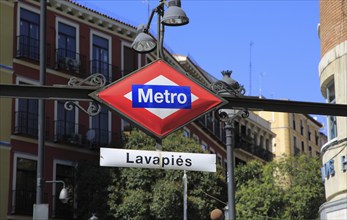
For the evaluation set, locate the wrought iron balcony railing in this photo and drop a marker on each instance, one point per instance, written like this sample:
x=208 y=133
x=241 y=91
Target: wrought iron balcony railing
x=28 y=47
x=26 y=123
x=108 y=70
x=71 y=62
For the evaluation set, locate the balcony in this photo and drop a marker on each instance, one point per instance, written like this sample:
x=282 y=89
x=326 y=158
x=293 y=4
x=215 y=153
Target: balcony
x=247 y=144
x=109 y=71
x=65 y=132
x=77 y=135
x=26 y=123
x=70 y=62
x=96 y=138
x=28 y=47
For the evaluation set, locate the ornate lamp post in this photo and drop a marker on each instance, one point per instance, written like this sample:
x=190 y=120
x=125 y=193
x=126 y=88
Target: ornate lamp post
x=229 y=87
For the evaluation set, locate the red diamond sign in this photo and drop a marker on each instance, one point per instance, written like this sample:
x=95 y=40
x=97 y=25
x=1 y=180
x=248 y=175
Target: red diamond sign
x=158 y=98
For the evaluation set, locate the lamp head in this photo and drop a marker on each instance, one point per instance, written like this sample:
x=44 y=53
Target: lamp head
x=143 y=43
x=174 y=15
x=94 y=217
x=228 y=80
x=63 y=195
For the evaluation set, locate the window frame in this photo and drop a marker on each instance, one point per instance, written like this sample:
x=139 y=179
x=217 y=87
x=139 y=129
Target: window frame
x=91 y=42
x=16 y=156
x=77 y=29
x=331 y=120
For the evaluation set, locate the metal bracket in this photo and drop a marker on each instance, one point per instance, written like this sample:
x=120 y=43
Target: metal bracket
x=228 y=115
x=92 y=110
x=96 y=80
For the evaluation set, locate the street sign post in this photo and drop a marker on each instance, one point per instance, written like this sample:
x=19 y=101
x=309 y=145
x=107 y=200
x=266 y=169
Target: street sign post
x=157 y=159
x=158 y=98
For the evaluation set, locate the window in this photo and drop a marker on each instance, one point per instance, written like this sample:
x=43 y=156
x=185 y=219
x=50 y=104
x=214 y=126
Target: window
x=27 y=116
x=67 y=56
x=65 y=123
x=316 y=137
x=332 y=127
x=204 y=146
x=101 y=56
x=186 y=133
x=130 y=60
x=261 y=141
x=294 y=125
x=267 y=144
x=302 y=146
x=243 y=130
x=100 y=128
x=25 y=188
x=66 y=41
x=301 y=128
x=295 y=144
x=29 y=35
x=217 y=128
x=209 y=121
x=196 y=138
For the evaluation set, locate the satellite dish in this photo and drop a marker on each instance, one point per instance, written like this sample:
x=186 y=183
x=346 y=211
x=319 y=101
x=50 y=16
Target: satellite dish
x=90 y=135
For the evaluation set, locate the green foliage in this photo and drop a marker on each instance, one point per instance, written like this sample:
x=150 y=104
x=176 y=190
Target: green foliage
x=289 y=188
x=92 y=181
x=158 y=194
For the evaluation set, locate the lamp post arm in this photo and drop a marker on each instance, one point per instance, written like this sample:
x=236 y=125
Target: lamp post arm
x=161 y=30
x=154 y=10
x=56 y=181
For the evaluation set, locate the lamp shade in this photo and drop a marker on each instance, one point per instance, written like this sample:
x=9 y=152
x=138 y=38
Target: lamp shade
x=174 y=15
x=63 y=195
x=143 y=43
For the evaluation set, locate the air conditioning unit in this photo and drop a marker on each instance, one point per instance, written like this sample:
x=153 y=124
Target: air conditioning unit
x=72 y=64
x=76 y=139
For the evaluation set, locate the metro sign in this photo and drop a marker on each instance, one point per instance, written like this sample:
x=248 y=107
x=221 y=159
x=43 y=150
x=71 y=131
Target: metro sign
x=158 y=98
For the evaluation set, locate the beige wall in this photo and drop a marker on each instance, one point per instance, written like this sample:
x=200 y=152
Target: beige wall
x=333 y=66
x=6 y=56
x=282 y=126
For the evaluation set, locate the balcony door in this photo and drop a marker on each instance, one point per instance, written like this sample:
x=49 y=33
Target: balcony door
x=65 y=123
x=27 y=116
x=101 y=56
x=29 y=34
x=67 y=46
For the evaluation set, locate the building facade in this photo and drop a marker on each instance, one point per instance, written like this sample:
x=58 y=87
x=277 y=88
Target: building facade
x=80 y=43
x=295 y=133
x=333 y=82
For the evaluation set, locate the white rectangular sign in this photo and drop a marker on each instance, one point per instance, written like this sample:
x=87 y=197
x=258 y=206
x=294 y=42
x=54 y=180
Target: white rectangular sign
x=112 y=157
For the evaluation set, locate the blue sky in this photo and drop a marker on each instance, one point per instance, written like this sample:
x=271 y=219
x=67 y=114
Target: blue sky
x=285 y=52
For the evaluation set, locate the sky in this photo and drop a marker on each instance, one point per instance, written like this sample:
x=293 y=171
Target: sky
x=272 y=47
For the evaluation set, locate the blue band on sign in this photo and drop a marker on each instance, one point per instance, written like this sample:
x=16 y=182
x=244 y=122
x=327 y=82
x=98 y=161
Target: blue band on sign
x=158 y=96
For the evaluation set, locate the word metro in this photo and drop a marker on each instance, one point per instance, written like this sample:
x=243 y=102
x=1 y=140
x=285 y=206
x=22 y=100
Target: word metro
x=159 y=96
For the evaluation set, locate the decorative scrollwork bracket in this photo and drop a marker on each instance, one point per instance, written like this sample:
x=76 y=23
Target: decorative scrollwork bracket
x=228 y=86
x=96 y=81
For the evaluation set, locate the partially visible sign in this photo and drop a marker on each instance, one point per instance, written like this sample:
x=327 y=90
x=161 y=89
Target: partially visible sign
x=157 y=159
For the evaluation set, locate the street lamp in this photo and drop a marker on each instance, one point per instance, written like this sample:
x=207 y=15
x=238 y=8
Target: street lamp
x=63 y=195
x=228 y=86
x=173 y=16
